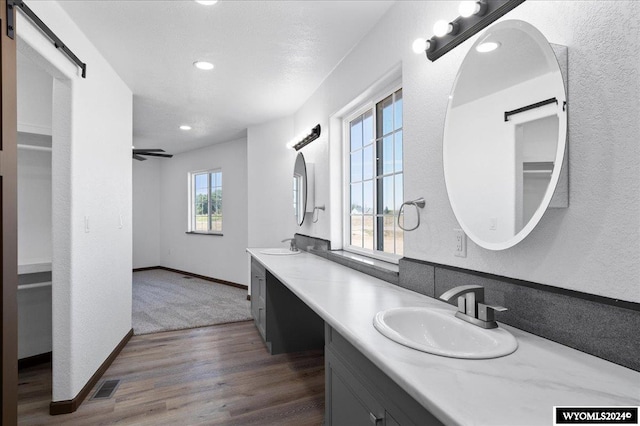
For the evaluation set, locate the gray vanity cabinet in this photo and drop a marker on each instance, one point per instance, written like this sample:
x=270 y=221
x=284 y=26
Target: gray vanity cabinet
x=359 y=393
x=258 y=297
x=285 y=322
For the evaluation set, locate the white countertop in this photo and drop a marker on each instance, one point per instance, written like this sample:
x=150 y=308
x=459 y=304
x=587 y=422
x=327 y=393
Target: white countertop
x=519 y=389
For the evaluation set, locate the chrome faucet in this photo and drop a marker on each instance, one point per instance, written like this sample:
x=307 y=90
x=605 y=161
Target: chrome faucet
x=471 y=306
x=292 y=245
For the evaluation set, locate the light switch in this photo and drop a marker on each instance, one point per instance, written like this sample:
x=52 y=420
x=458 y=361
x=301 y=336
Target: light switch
x=86 y=224
x=493 y=223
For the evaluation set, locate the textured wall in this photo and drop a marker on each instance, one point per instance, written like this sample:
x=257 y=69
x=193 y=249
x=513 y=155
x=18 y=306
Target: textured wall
x=146 y=213
x=91 y=172
x=34 y=112
x=222 y=257
x=593 y=245
x=270 y=172
x=34 y=203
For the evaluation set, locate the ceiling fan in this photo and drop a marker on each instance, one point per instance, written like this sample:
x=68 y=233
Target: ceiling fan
x=138 y=153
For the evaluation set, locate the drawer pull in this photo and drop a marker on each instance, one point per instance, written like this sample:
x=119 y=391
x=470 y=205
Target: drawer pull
x=374 y=419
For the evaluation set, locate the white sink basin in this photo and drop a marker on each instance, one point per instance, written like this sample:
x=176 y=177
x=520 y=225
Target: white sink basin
x=279 y=251
x=439 y=332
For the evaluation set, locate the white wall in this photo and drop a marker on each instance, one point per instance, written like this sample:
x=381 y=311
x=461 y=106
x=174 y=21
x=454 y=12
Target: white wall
x=593 y=245
x=221 y=257
x=34 y=202
x=34 y=112
x=270 y=173
x=146 y=213
x=91 y=166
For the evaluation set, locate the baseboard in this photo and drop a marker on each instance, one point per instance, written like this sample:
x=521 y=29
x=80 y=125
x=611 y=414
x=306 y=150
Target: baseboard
x=34 y=360
x=191 y=274
x=71 y=405
x=148 y=268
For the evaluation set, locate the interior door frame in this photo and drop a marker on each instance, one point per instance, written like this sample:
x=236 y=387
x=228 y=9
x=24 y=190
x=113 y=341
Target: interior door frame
x=9 y=222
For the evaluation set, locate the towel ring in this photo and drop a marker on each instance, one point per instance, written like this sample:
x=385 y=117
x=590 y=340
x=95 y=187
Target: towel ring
x=418 y=204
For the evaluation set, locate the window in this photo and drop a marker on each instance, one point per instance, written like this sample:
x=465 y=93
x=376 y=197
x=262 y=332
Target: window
x=205 y=202
x=374 y=179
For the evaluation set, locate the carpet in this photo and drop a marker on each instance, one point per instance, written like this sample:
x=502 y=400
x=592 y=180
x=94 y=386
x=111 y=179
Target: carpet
x=164 y=301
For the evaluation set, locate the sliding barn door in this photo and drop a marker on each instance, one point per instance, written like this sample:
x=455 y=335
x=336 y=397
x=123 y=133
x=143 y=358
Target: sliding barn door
x=9 y=222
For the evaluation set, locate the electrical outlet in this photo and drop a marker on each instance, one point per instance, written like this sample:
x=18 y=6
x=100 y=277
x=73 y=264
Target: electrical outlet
x=461 y=243
x=86 y=224
x=493 y=223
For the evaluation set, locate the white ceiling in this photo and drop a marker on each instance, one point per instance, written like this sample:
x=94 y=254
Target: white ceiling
x=269 y=57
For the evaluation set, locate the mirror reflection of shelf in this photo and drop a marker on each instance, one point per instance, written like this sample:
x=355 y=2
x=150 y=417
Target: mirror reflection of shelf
x=537 y=167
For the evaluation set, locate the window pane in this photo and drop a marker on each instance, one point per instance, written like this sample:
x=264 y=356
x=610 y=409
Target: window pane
x=356 y=134
x=356 y=166
x=387 y=155
x=397 y=158
x=201 y=181
x=398 y=192
x=384 y=116
x=368 y=197
x=389 y=237
x=295 y=195
x=398 y=111
x=387 y=206
x=368 y=235
x=356 y=230
x=356 y=198
x=399 y=241
x=367 y=128
x=368 y=162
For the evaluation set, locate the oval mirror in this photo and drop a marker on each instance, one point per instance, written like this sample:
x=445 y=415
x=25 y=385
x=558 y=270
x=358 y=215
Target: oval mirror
x=505 y=134
x=300 y=188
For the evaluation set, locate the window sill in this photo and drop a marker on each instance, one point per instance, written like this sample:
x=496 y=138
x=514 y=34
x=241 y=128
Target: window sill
x=377 y=268
x=372 y=262
x=217 y=234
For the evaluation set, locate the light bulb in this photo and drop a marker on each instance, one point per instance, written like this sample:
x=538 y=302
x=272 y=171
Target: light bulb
x=185 y=127
x=202 y=65
x=419 y=45
x=468 y=8
x=487 y=46
x=442 y=28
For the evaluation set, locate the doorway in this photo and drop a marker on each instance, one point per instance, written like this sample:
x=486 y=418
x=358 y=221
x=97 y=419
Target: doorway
x=34 y=137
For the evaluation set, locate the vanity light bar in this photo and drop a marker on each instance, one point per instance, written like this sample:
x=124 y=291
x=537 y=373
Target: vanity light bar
x=462 y=28
x=308 y=138
x=507 y=114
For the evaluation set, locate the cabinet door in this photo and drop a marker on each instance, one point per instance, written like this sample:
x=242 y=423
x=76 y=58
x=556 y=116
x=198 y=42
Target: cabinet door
x=258 y=297
x=348 y=401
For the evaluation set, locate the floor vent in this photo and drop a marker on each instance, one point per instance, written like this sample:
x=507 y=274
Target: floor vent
x=187 y=278
x=106 y=390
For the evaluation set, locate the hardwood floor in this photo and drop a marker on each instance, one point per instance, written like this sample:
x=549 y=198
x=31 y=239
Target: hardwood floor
x=219 y=375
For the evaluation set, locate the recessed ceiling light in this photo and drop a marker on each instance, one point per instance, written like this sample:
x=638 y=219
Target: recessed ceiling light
x=207 y=2
x=203 y=65
x=185 y=127
x=487 y=46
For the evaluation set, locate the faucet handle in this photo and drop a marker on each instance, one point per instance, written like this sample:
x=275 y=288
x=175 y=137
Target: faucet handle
x=486 y=312
x=292 y=245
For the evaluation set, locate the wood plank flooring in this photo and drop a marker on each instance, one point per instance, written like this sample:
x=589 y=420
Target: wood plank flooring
x=219 y=375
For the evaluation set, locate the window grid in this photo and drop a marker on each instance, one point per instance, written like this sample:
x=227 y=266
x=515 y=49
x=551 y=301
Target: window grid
x=376 y=177
x=206 y=202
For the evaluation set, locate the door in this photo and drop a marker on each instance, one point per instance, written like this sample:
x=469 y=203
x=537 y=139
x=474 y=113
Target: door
x=9 y=222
